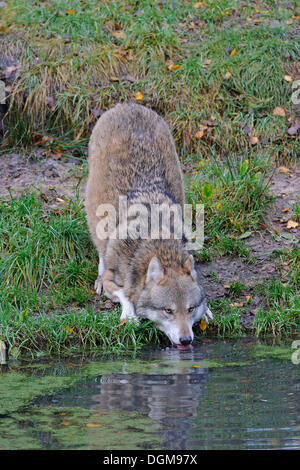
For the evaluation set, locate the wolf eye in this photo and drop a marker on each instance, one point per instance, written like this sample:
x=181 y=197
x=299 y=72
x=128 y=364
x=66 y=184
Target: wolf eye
x=168 y=310
x=191 y=309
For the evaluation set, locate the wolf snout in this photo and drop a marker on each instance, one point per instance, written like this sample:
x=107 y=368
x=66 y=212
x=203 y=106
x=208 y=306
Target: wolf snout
x=185 y=340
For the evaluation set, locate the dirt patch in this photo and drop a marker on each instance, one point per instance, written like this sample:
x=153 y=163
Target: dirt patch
x=275 y=235
x=19 y=173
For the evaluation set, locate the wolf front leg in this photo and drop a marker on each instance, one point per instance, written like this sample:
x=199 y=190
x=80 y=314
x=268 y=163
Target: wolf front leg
x=99 y=283
x=116 y=293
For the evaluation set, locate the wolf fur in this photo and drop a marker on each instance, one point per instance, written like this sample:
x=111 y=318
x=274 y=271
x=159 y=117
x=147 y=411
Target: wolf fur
x=132 y=153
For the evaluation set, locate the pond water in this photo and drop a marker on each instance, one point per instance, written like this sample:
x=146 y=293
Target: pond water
x=237 y=394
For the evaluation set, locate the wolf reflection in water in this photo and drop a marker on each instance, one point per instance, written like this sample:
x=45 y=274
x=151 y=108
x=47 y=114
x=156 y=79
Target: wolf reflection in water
x=171 y=400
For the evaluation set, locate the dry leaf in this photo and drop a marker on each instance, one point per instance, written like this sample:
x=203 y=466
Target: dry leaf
x=288 y=78
x=93 y=425
x=9 y=70
x=278 y=111
x=226 y=286
x=294 y=128
x=233 y=52
x=291 y=224
x=201 y=132
x=172 y=66
x=119 y=34
x=203 y=325
x=286 y=209
x=283 y=169
x=227 y=75
x=253 y=140
x=138 y=96
x=65 y=423
x=123 y=322
x=198 y=5
x=70 y=12
x=289 y=22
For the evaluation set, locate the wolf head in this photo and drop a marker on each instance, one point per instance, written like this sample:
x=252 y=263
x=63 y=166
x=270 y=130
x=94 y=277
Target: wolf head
x=174 y=300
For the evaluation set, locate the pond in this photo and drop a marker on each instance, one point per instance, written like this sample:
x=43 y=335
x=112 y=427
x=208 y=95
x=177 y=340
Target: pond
x=235 y=394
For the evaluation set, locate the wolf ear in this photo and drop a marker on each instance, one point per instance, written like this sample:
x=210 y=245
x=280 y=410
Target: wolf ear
x=155 y=271
x=189 y=267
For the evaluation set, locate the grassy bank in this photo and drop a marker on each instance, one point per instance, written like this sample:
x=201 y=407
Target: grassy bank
x=221 y=64
x=47 y=303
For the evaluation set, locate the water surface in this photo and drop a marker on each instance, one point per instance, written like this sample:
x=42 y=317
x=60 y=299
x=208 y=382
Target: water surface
x=234 y=394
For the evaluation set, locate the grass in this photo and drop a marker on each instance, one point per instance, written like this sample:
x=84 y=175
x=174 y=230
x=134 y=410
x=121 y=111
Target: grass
x=47 y=304
x=86 y=56
x=215 y=73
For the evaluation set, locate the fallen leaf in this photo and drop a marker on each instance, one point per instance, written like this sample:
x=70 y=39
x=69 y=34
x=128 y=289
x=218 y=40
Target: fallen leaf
x=294 y=128
x=171 y=66
x=138 y=96
x=253 y=140
x=36 y=138
x=283 y=169
x=9 y=70
x=278 y=111
x=227 y=75
x=289 y=21
x=226 y=286
x=233 y=52
x=93 y=425
x=288 y=78
x=286 y=209
x=237 y=304
x=201 y=132
x=203 y=325
x=291 y=224
x=70 y=11
x=65 y=423
x=198 y=5
x=119 y=34
x=114 y=79
x=123 y=322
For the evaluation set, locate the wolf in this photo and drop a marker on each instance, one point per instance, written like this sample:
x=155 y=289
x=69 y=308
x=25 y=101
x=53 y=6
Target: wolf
x=132 y=155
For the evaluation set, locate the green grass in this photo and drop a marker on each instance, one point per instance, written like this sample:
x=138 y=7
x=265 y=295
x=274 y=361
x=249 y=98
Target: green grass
x=47 y=304
x=74 y=58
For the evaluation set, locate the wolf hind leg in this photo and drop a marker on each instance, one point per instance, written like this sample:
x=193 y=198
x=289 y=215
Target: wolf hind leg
x=99 y=283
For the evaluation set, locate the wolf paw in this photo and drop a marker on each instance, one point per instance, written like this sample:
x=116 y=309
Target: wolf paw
x=208 y=316
x=127 y=311
x=98 y=285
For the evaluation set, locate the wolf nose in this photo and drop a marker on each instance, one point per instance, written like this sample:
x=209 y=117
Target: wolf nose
x=185 y=340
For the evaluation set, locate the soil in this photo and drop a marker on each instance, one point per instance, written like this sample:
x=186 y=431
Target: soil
x=63 y=178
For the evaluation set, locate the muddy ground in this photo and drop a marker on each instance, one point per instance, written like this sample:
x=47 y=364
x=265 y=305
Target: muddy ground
x=66 y=178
